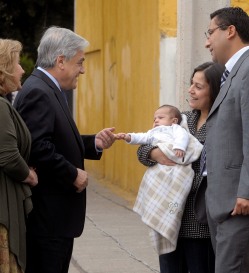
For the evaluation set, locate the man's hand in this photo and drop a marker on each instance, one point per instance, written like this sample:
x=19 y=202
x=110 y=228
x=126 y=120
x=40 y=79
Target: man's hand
x=81 y=180
x=105 y=138
x=158 y=156
x=241 y=207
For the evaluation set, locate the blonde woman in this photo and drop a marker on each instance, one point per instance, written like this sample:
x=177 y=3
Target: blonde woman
x=16 y=176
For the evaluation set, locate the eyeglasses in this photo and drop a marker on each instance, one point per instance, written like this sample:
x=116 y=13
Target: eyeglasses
x=211 y=31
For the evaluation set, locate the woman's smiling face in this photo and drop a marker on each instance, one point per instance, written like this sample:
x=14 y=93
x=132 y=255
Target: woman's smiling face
x=199 y=92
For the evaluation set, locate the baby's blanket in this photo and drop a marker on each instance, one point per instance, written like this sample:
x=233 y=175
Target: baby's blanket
x=162 y=195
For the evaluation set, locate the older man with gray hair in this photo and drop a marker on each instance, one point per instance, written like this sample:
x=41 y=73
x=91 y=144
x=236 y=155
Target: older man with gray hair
x=58 y=151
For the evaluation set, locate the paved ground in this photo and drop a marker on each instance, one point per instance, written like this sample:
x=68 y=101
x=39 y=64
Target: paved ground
x=114 y=240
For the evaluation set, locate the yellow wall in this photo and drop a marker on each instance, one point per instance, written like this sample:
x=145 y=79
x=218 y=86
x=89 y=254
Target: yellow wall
x=244 y=4
x=168 y=17
x=121 y=84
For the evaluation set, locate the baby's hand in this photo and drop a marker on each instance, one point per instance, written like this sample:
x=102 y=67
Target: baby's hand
x=123 y=136
x=119 y=136
x=179 y=153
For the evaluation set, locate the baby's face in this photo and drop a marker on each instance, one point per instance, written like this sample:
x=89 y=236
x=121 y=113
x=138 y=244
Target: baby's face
x=162 y=117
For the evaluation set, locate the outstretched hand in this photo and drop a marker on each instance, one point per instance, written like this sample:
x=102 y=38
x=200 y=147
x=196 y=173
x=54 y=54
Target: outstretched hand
x=123 y=136
x=119 y=136
x=105 y=138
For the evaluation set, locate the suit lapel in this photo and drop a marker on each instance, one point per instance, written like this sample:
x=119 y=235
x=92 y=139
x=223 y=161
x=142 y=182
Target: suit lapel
x=68 y=114
x=222 y=94
x=224 y=89
x=63 y=105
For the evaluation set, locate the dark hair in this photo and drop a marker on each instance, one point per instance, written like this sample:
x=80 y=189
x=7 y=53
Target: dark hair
x=213 y=73
x=233 y=16
x=174 y=111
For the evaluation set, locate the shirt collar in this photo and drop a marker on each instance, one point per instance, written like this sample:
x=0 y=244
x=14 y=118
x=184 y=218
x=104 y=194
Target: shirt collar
x=50 y=76
x=233 y=60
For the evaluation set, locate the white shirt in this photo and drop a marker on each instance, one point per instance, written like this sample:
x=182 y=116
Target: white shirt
x=233 y=60
x=175 y=134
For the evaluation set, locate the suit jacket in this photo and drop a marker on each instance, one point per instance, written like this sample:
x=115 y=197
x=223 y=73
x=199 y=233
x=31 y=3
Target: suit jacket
x=57 y=150
x=228 y=143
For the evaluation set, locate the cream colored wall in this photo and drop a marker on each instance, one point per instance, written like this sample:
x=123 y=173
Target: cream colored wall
x=121 y=84
x=168 y=32
x=193 y=20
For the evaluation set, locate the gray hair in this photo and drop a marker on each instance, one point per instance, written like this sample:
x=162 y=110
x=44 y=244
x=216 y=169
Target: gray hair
x=57 y=41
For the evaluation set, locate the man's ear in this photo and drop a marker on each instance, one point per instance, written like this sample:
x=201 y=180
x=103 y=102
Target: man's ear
x=60 y=61
x=231 y=31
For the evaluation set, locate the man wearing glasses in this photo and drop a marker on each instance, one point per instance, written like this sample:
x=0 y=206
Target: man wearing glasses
x=227 y=142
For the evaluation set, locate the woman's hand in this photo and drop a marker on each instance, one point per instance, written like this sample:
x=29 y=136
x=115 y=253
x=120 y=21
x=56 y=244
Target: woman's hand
x=32 y=178
x=158 y=156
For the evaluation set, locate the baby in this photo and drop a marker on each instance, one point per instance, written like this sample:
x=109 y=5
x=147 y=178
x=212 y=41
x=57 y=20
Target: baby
x=165 y=128
x=164 y=189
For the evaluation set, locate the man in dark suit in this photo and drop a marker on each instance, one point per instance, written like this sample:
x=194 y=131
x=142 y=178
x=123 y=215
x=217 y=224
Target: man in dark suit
x=58 y=152
x=227 y=142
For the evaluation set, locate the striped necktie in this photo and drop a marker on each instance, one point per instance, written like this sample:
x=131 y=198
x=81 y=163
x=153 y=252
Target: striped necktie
x=224 y=77
x=203 y=159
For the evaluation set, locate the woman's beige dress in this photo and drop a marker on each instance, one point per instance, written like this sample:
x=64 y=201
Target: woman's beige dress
x=8 y=262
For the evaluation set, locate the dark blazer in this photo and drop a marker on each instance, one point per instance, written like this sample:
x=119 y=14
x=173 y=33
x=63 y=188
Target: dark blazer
x=57 y=150
x=228 y=143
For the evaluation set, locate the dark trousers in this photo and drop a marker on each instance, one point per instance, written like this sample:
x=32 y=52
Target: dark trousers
x=191 y=255
x=48 y=255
